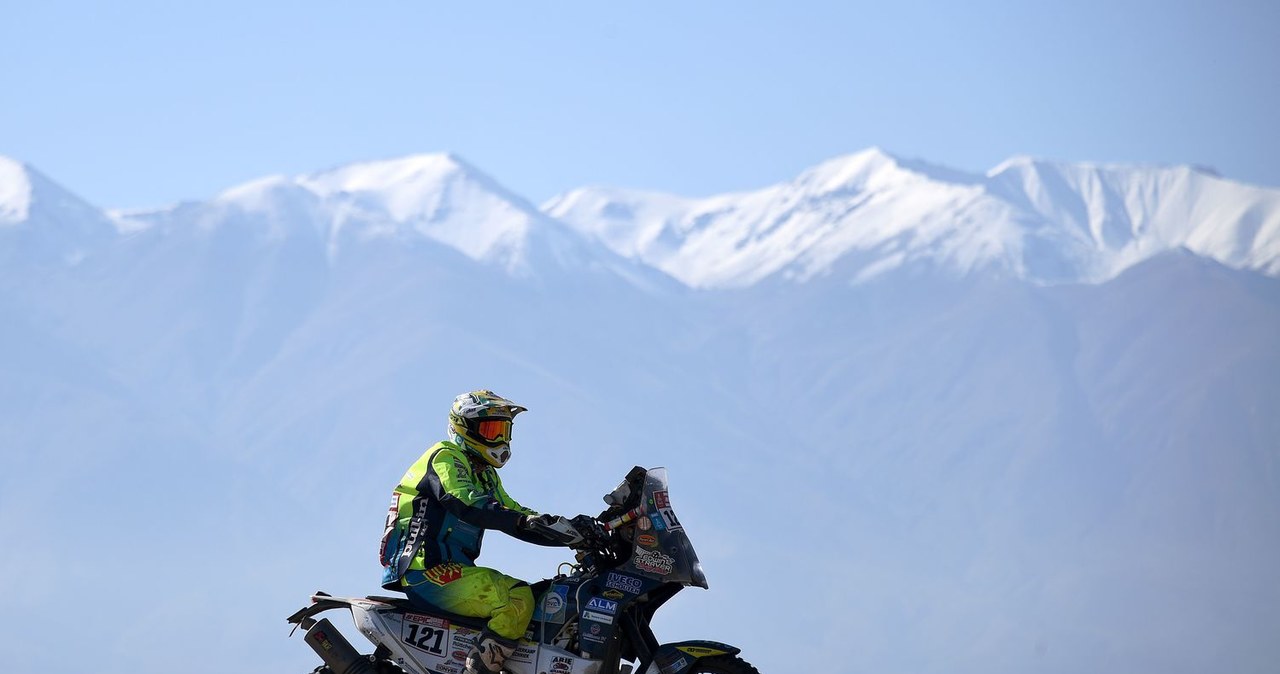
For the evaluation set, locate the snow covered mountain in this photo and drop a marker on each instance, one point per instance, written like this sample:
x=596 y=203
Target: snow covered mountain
x=861 y=215
x=433 y=199
x=969 y=465
x=44 y=223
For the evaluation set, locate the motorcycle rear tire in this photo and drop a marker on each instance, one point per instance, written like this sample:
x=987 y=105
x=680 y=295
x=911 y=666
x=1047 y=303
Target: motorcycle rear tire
x=724 y=664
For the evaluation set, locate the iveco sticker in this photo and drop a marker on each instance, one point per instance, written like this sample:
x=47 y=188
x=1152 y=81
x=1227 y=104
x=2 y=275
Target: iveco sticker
x=652 y=561
x=551 y=609
x=598 y=604
x=618 y=581
x=598 y=617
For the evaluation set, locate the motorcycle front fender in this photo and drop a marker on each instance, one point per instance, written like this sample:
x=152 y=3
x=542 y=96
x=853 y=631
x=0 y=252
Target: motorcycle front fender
x=678 y=657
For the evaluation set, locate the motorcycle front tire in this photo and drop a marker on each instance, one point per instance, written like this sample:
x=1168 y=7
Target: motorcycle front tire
x=724 y=664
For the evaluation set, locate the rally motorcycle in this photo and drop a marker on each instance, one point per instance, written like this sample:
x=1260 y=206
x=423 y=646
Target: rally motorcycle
x=585 y=622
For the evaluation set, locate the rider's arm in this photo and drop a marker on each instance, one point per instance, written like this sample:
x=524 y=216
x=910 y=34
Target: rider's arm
x=453 y=484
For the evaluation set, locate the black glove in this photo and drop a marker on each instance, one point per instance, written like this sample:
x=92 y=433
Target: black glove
x=589 y=527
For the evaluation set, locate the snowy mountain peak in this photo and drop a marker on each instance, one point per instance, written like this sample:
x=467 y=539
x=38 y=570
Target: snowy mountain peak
x=864 y=214
x=436 y=198
x=856 y=170
x=401 y=183
x=15 y=191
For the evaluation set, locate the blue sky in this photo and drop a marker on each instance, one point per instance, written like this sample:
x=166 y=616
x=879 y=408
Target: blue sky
x=138 y=104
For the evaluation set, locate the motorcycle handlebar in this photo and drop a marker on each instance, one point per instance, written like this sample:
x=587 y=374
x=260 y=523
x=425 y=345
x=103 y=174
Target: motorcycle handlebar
x=625 y=518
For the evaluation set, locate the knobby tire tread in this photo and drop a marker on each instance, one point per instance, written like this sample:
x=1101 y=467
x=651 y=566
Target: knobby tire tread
x=724 y=664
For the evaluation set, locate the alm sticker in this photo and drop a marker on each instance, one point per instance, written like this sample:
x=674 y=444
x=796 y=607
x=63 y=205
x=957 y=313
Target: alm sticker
x=598 y=604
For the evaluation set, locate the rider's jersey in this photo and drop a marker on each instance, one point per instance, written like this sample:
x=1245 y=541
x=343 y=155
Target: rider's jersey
x=439 y=512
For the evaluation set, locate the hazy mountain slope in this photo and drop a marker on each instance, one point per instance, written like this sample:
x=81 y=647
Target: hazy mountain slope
x=1002 y=477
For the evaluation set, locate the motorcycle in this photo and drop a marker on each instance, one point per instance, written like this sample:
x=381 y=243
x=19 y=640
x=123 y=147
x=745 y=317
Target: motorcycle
x=585 y=622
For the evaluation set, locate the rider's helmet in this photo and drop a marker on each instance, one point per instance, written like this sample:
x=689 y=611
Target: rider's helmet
x=480 y=421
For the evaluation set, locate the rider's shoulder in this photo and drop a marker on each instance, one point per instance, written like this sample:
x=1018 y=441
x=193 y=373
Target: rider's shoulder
x=447 y=451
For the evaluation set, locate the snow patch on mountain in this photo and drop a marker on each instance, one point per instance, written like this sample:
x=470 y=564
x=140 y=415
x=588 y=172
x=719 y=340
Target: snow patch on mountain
x=15 y=192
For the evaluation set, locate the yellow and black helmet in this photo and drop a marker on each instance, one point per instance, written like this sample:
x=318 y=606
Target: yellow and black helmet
x=481 y=422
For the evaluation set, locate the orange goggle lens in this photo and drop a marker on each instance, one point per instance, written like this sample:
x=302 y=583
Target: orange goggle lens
x=494 y=430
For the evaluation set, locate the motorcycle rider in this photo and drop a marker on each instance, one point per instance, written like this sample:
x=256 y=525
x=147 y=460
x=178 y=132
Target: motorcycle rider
x=436 y=524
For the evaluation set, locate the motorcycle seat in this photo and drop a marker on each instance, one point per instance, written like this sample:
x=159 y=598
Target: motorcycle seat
x=406 y=606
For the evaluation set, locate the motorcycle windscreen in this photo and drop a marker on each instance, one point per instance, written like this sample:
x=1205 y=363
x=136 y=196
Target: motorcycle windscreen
x=661 y=548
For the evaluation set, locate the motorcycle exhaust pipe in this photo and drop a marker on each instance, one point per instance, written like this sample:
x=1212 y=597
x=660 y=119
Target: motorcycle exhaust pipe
x=335 y=650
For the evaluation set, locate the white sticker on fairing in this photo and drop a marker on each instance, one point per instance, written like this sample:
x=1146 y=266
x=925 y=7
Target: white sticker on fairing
x=652 y=561
x=598 y=617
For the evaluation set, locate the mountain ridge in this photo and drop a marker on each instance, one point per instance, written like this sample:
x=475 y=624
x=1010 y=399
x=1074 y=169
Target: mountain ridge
x=856 y=216
x=1042 y=221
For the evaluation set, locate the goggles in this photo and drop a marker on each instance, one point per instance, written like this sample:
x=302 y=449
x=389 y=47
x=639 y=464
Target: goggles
x=493 y=431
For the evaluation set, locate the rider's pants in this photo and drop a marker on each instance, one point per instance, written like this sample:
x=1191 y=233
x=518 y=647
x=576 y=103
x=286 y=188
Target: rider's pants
x=474 y=591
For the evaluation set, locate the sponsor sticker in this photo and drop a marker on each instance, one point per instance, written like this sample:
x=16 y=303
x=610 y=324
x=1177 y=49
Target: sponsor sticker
x=661 y=499
x=603 y=605
x=701 y=651
x=324 y=640
x=463 y=640
x=628 y=584
x=597 y=617
x=658 y=523
x=613 y=594
x=652 y=561
x=644 y=524
x=561 y=665
x=668 y=663
x=430 y=620
x=647 y=540
x=443 y=574
x=523 y=654
x=551 y=609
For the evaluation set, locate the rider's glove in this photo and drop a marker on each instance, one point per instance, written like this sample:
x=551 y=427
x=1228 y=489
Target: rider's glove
x=589 y=527
x=553 y=527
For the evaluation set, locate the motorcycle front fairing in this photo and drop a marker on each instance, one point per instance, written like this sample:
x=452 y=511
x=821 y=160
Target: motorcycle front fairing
x=660 y=548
